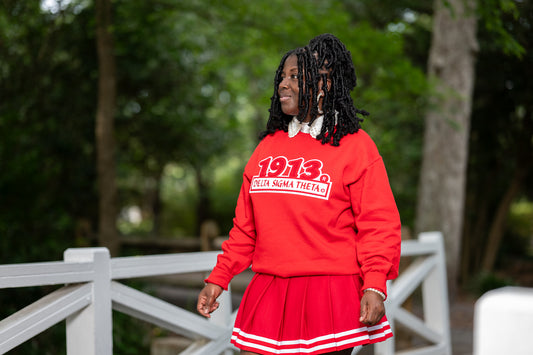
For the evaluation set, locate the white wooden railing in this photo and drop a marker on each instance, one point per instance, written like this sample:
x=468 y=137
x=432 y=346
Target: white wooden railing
x=428 y=270
x=91 y=292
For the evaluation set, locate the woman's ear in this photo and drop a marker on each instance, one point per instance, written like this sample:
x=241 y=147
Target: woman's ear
x=321 y=86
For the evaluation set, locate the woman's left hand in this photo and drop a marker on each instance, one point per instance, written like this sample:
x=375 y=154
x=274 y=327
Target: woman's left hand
x=372 y=308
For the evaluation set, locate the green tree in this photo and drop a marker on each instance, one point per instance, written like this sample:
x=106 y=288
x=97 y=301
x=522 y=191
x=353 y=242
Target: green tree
x=170 y=102
x=447 y=126
x=105 y=127
x=46 y=131
x=47 y=193
x=501 y=148
x=218 y=62
x=193 y=86
x=502 y=25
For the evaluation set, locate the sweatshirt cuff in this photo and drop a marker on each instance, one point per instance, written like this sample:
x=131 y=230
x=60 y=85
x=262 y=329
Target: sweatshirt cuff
x=219 y=280
x=375 y=280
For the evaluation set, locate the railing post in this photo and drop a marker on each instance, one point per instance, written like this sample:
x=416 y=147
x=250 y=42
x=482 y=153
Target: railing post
x=89 y=331
x=387 y=347
x=435 y=293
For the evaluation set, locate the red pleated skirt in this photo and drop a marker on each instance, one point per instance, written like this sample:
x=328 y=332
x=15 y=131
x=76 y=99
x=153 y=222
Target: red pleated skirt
x=303 y=315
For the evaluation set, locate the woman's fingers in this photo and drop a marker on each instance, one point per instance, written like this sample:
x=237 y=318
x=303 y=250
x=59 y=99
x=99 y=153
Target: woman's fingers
x=372 y=308
x=207 y=299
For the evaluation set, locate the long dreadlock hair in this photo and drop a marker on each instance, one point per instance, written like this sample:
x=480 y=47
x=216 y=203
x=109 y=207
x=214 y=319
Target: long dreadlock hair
x=324 y=59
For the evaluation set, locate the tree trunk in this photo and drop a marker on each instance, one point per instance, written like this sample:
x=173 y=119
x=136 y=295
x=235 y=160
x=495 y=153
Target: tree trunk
x=447 y=125
x=152 y=204
x=203 y=205
x=474 y=236
x=497 y=227
x=105 y=144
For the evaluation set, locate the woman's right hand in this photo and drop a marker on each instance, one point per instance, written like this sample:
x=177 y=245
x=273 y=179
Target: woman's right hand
x=207 y=299
x=372 y=308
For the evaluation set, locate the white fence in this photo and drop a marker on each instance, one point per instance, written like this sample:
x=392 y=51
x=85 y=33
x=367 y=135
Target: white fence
x=428 y=270
x=91 y=293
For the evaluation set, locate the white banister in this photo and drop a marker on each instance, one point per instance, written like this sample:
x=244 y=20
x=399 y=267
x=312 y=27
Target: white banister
x=156 y=265
x=43 y=314
x=87 y=303
x=41 y=274
x=429 y=272
x=155 y=311
x=435 y=294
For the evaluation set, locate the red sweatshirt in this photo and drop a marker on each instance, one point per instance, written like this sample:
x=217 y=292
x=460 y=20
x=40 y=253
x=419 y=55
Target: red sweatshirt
x=311 y=209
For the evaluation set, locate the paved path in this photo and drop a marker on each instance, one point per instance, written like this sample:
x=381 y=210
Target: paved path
x=462 y=325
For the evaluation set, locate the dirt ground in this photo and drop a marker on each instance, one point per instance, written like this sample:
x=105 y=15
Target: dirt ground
x=462 y=324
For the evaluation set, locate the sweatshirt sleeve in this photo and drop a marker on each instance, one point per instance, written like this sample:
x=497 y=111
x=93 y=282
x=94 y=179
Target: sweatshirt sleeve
x=378 y=227
x=238 y=250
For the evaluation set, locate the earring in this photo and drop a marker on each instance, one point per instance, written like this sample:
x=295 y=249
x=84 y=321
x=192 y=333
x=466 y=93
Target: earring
x=320 y=94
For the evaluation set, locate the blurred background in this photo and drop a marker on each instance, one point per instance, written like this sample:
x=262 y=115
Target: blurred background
x=127 y=124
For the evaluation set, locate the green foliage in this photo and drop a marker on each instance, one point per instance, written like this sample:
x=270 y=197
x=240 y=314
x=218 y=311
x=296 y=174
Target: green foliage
x=178 y=190
x=393 y=90
x=492 y=14
x=200 y=87
x=485 y=282
x=130 y=336
x=226 y=191
x=521 y=218
x=46 y=131
x=193 y=90
x=194 y=83
x=519 y=238
x=501 y=149
x=50 y=342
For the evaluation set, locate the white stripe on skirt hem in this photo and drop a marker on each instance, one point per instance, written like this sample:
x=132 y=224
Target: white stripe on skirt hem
x=293 y=346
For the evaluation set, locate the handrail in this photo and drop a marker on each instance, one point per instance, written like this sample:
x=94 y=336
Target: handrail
x=41 y=274
x=157 y=265
x=43 y=314
x=86 y=304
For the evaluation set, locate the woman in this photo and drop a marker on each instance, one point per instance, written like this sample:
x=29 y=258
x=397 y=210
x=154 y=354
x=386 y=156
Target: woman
x=315 y=218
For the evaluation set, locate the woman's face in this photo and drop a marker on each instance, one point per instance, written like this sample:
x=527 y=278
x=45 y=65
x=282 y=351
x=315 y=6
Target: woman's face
x=288 y=87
